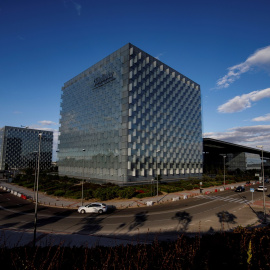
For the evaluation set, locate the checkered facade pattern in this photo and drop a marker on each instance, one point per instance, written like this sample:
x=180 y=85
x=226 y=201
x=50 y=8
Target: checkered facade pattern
x=134 y=117
x=19 y=148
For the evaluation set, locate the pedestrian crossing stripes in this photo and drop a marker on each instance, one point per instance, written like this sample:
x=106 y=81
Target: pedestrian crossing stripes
x=220 y=198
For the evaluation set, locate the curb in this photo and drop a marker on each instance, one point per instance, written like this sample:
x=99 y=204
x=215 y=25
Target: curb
x=173 y=197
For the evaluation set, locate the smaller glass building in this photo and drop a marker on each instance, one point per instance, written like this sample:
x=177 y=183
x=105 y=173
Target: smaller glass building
x=19 y=148
x=237 y=157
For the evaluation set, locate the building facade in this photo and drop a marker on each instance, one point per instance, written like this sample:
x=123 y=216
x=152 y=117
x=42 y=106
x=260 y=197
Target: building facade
x=19 y=148
x=237 y=157
x=129 y=118
x=243 y=161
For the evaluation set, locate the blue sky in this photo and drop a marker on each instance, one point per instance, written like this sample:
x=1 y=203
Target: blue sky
x=222 y=45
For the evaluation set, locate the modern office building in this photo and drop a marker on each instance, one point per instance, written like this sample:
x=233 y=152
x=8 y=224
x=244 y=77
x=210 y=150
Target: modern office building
x=218 y=154
x=129 y=118
x=19 y=148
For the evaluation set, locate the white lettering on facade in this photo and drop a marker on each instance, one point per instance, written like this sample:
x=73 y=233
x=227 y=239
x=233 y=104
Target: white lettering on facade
x=105 y=78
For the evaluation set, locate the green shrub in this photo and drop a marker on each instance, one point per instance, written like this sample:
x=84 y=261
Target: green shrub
x=189 y=187
x=59 y=193
x=100 y=194
x=74 y=195
x=88 y=194
x=108 y=193
x=126 y=193
x=50 y=192
x=143 y=195
x=170 y=189
x=167 y=190
x=29 y=185
x=206 y=185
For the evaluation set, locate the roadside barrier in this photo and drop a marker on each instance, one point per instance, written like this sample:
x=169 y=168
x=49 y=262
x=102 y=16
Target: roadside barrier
x=139 y=203
x=149 y=203
x=175 y=199
x=14 y=192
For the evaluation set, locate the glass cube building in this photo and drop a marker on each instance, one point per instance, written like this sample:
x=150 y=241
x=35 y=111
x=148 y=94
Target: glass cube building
x=19 y=148
x=129 y=118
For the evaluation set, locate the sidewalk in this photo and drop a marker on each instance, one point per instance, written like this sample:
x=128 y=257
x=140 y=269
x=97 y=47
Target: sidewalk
x=118 y=203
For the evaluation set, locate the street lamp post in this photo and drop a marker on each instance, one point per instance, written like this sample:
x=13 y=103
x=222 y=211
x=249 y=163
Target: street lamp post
x=35 y=221
x=83 y=174
x=35 y=183
x=264 y=211
x=157 y=169
x=224 y=157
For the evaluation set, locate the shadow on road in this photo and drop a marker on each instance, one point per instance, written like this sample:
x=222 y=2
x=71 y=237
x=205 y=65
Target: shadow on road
x=22 y=213
x=226 y=218
x=259 y=214
x=139 y=220
x=90 y=224
x=183 y=219
x=45 y=221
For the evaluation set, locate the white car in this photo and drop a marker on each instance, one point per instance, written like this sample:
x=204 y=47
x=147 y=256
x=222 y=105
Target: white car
x=93 y=208
x=260 y=188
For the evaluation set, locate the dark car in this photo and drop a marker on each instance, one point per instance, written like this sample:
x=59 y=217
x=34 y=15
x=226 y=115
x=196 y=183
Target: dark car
x=239 y=189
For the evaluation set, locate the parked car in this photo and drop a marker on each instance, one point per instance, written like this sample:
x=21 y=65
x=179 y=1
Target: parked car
x=266 y=180
x=240 y=189
x=93 y=208
x=260 y=188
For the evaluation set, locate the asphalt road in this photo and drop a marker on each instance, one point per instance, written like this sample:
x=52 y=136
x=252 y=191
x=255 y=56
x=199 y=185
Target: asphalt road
x=204 y=213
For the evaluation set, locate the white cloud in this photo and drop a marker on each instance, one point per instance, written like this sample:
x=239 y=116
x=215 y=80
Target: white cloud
x=260 y=59
x=47 y=123
x=17 y=112
x=250 y=136
x=240 y=103
x=262 y=118
x=158 y=56
x=78 y=7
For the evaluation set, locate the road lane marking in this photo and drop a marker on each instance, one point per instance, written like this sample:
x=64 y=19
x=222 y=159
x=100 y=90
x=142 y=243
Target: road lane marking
x=228 y=199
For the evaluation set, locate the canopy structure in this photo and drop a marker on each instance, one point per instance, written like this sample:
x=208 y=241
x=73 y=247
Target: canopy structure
x=235 y=156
